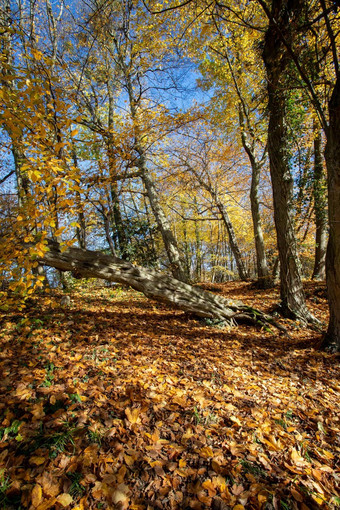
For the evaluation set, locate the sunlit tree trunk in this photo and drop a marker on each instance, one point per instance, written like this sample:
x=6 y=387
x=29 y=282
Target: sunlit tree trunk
x=320 y=209
x=81 y=229
x=170 y=243
x=169 y=240
x=116 y=210
x=263 y=276
x=264 y=280
x=186 y=244
x=198 y=243
x=276 y=62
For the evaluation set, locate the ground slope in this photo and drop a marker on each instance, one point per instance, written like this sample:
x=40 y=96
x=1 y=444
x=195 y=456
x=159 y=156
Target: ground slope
x=116 y=402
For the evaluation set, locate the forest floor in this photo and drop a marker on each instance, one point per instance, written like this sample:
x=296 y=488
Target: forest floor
x=119 y=402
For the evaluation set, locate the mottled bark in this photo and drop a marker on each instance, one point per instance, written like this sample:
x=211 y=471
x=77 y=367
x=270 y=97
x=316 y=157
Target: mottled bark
x=320 y=209
x=282 y=22
x=198 y=243
x=186 y=247
x=81 y=229
x=263 y=277
x=169 y=240
x=116 y=210
x=154 y=284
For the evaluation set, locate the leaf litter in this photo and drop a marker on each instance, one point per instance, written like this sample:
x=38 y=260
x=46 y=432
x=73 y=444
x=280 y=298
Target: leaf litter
x=118 y=402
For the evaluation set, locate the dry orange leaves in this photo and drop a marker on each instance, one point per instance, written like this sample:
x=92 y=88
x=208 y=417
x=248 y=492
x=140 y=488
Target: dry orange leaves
x=119 y=403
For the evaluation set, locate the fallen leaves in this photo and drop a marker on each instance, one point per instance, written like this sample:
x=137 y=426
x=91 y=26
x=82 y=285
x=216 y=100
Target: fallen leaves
x=122 y=404
x=37 y=495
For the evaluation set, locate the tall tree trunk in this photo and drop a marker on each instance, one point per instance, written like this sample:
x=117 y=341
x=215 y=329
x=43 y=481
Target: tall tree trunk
x=320 y=209
x=171 y=247
x=198 y=246
x=117 y=215
x=264 y=280
x=249 y=142
x=169 y=240
x=118 y=221
x=152 y=237
x=332 y=155
x=276 y=60
x=81 y=229
x=186 y=246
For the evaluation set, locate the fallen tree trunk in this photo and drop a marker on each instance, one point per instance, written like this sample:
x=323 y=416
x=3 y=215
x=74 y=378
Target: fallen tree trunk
x=153 y=284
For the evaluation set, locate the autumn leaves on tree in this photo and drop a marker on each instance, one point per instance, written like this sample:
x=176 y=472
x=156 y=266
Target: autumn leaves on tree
x=187 y=138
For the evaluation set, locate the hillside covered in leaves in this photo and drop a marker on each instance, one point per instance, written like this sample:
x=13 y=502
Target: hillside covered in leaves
x=117 y=402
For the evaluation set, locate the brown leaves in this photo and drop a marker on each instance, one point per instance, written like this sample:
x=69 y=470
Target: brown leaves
x=64 y=500
x=133 y=415
x=128 y=406
x=37 y=495
x=121 y=496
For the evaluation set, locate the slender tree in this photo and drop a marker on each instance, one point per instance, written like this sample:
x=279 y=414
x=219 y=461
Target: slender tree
x=320 y=208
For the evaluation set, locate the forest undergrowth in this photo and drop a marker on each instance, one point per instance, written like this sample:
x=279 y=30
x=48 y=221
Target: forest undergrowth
x=119 y=402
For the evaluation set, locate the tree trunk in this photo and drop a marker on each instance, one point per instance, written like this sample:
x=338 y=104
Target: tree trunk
x=276 y=61
x=169 y=240
x=198 y=263
x=118 y=222
x=332 y=155
x=171 y=247
x=233 y=241
x=155 y=285
x=276 y=270
x=117 y=215
x=320 y=210
x=186 y=247
x=263 y=279
x=81 y=229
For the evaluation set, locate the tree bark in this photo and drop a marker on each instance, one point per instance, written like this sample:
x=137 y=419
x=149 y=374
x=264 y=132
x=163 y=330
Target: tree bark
x=81 y=229
x=332 y=155
x=117 y=215
x=320 y=210
x=170 y=243
x=276 y=60
x=155 y=285
x=169 y=240
x=263 y=277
